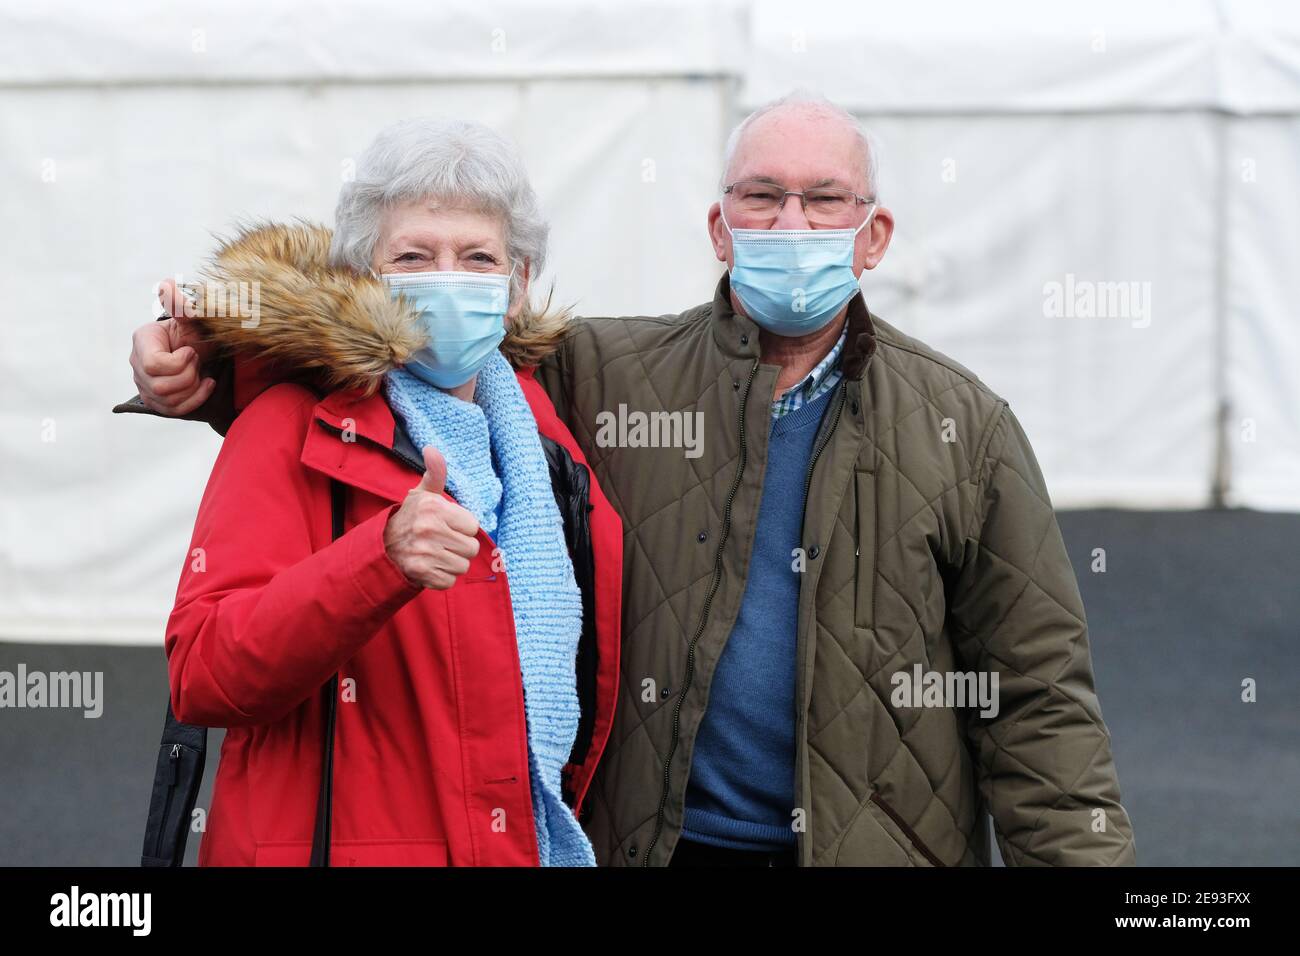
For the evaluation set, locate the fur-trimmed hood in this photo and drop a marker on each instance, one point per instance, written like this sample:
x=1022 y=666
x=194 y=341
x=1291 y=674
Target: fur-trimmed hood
x=271 y=294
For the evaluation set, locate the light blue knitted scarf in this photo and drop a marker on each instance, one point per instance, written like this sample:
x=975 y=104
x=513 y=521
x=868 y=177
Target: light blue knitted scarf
x=496 y=466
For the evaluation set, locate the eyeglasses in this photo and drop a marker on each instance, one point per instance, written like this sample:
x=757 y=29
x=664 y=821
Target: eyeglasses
x=822 y=205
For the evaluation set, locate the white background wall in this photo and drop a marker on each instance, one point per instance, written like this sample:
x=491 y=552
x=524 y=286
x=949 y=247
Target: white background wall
x=1021 y=142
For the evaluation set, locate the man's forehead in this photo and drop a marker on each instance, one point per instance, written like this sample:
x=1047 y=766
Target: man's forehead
x=802 y=182
x=799 y=170
x=801 y=149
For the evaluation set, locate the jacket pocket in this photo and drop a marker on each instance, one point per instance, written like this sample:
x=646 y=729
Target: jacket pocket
x=917 y=843
x=355 y=853
x=864 y=612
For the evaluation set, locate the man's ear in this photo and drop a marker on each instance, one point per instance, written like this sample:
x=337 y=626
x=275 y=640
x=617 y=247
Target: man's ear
x=718 y=234
x=880 y=232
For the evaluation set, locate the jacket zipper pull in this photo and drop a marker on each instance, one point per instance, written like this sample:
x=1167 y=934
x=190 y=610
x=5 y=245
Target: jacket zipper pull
x=173 y=764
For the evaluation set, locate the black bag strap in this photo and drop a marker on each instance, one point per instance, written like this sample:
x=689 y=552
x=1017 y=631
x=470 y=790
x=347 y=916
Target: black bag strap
x=177 y=775
x=320 y=843
x=182 y=755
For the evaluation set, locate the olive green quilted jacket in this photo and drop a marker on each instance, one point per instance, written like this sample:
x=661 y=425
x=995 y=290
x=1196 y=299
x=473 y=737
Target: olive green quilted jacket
x=928 y=539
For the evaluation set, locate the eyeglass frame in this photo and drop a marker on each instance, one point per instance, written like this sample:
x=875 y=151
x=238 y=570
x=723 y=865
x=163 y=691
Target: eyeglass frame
x=803 y=201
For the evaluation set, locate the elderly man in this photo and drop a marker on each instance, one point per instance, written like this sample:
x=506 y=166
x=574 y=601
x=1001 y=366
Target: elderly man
x=851 y=629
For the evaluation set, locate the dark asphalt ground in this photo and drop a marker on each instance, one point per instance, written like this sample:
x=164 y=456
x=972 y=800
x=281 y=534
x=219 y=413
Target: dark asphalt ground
x=1190 y=604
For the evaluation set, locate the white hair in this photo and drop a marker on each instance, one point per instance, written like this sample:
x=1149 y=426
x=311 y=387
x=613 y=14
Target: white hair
x=818 y=103
x=448 y=160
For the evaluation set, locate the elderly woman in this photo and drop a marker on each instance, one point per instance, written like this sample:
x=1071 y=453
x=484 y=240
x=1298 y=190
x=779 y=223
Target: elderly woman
x=454 y=710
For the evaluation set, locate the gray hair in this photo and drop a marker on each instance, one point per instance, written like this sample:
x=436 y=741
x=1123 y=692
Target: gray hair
x=443 y=159
x=818 y=103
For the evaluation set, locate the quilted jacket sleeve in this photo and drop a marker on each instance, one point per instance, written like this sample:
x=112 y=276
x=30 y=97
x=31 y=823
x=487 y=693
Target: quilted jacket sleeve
x=555 y=375
x=239 y=381
x=1044 y=758
x=218 y=411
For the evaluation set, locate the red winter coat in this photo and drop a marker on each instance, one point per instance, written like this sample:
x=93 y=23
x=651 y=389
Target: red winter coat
x=430 y=760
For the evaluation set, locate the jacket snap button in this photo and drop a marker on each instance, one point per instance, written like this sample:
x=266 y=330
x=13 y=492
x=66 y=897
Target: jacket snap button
x=631 y=852
x=744 y=339
x=665 y=692
x=702 y=537
x=854 y=406
x=735 y=383
x=814 y=551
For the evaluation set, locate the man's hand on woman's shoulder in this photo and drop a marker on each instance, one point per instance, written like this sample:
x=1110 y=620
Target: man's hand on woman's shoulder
x=167 y=359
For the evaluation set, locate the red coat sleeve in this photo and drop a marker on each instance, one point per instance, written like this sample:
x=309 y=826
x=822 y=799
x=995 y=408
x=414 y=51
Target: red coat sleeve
x=267 y=607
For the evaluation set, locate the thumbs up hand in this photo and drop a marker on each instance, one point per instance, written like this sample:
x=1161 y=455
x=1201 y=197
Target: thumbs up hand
x=434 y=480
x=431 y=538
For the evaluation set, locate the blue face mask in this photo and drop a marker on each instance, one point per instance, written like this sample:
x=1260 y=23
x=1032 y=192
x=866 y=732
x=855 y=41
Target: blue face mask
x=464 y=314
x=793 y=281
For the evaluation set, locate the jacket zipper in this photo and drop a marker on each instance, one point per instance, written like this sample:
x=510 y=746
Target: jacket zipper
x=704 y=619
x=825 y=440
x=173 y=766
x=419 y=467
x=327 y=759
x=917 y=842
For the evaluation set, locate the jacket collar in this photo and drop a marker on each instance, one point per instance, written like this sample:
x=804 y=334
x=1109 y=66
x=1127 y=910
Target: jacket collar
x=367 y=416
x=356 y=438
x=738 y=335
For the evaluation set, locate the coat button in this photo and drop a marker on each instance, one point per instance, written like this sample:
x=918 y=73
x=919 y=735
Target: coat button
x=854 y=406
x=735 y=383
x=702 y=537
x=744 y=339
x=814 y=551
x=665 y=692
x=631 y=852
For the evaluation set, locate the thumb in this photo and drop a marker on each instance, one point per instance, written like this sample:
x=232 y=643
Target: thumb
x=181 y=330
x=174 y=301
x=435 y=471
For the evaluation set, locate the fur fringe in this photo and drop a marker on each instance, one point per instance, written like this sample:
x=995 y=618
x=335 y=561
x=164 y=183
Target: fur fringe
x=270 y=293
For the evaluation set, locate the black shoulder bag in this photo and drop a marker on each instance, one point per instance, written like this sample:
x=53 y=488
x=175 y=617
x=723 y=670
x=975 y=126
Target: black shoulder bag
x=183 y=754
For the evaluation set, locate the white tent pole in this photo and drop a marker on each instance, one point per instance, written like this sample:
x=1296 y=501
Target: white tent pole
x=1222 y=465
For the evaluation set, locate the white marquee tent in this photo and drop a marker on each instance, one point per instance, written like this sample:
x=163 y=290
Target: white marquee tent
x=1153 y=147
x=1115 y=151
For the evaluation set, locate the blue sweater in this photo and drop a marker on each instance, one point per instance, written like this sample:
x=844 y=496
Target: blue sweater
x=741 y=788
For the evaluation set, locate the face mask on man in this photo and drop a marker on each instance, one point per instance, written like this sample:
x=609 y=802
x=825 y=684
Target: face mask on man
x=464 y=315
x=793 y=281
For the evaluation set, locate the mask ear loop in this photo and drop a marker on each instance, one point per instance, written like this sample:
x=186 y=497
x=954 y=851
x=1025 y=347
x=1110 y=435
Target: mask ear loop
x=871 y=215
x=510 y=288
